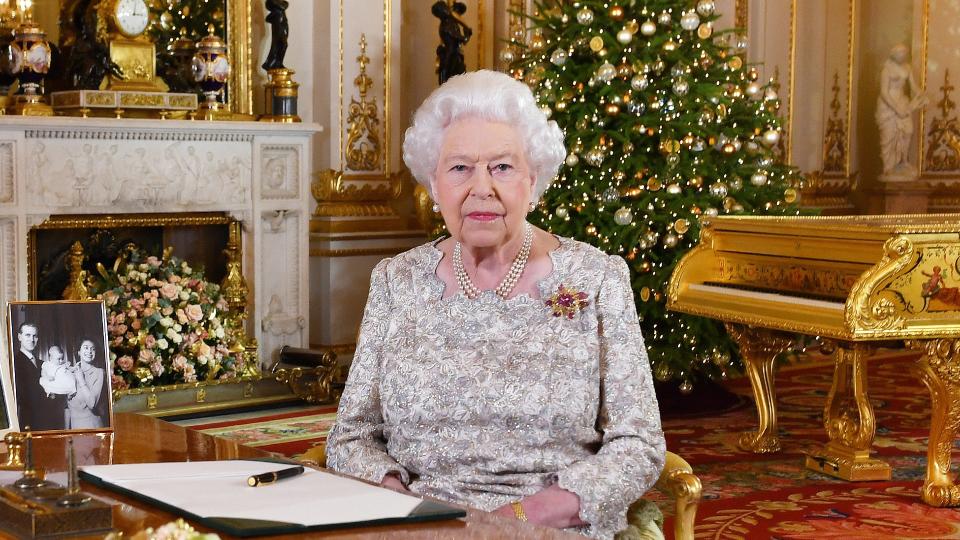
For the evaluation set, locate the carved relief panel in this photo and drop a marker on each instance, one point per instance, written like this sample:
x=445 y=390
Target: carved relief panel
x=84 y=175
x=7 y=185
x=280 y=171
x=280 y=304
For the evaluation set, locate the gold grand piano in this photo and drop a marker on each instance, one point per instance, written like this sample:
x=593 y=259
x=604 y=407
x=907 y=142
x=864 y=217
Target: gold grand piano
x=856 y=281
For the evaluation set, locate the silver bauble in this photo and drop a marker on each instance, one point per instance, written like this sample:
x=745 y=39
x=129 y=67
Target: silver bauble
x=670 y=240
x=764 y=162
x=718 y=189
x=752 y=89
x=758 y=178
x=689 y=21
x=771 y=137
x=711 y=212
x=636 y=107
x=639 y=82
x=681 y=87
x=624 y=36
x=572 y=160
x=706 y=7
x=507 y=56
x=623 y=216
x=559 y=57
x=648 y=28
x=662 y=372
x=585 y=16
x=610 y=195
x=686 y=387
x=770 y=94
x=674 y=189
x=546 y=110
x=673 y=160
x=606 y=72
x=735 y=183
x=665 y=19
x=595 y=156
x=561 y=212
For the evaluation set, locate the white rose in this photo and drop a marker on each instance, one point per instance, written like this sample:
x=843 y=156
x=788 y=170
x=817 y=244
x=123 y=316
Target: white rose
x=166 y=322
x=219 y=332
x=162 y=344
x=184 y=296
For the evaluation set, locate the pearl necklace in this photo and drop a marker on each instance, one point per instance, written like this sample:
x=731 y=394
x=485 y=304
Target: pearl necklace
x=506 y=286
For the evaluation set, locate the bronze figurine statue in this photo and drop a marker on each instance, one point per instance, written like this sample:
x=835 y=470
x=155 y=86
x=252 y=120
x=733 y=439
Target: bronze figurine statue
x=454 y=34
x=279 y=33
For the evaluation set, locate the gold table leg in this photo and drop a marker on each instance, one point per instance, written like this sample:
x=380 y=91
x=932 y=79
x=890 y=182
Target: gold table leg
x=759 y=348
x=939 y=369
x=848 y=418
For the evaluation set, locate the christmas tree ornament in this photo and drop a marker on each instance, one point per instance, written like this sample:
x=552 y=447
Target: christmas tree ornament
x=735 y=63
x=591 y=229
x=537 y=42
x=546 y=110
x=606 y=72
x=623 y=216
x=698 y=145
x=673 y=160
x=791 y=195
x=585 y=16
x=636 y=107
x=619 y=176
x=718 y=189
x=681 y=87
x=728 y=148
x=595 y=156
x=705 y=30
x=706 y=7
x=752 y=89
x=664 y=18
x=662 y=372
x=689 y=21
x=627 y=148
x=639 y=82
x=558 y=57
x=695 y=182
x=616 y=12
x=654 y=184
x=735 y=183
x=758 y=178
x=764 y=162
x=624 y=36
x=560 y=106
x=632 y=26
x=770 y=137
x=770 y=94
x=507 y=55
x=624 y=70
x=669 y=146
x=673 y=189
x=658 y=65
x=670 y=240
x=610 y=195
x=686 y=387
x=572 y=160
x=681 y=226
x=728 y=203
x=711 y=212
x=596 y=44
x=669 y=45
x=648 y=28
x=737 y=208
x=561 y=212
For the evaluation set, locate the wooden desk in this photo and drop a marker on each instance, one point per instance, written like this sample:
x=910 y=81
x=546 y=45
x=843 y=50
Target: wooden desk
x=142 y=439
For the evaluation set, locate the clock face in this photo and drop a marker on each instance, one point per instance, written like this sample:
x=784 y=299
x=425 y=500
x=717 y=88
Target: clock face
x=132 y=16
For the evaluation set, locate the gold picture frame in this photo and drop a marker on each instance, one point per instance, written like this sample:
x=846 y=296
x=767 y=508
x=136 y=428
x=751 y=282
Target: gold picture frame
x=59 y=362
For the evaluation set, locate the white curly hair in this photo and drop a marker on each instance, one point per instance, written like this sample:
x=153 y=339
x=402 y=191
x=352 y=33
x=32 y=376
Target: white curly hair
x=492 y=96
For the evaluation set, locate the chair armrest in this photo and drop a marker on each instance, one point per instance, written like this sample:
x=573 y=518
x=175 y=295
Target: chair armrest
x=315 y=456
x=677 y=480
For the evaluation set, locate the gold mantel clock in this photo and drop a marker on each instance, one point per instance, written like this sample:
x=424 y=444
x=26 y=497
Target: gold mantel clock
x=130 y=48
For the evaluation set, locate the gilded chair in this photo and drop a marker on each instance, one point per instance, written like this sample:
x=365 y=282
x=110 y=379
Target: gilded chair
x=677 y=480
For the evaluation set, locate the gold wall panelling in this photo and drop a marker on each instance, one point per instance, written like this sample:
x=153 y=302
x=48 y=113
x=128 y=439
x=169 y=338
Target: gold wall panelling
x=943 y=149
x=742 y=17
x=828 y=191
x=363 y=138
x=356 y=252
x=333 y=186
x=328 y=225
x=835 y=138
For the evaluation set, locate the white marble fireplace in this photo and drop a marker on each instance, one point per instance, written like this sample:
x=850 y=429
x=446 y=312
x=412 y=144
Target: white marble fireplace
x=257 y=173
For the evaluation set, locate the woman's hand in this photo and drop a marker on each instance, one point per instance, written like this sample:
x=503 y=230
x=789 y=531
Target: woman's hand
x=553 y=507
x=392 y=481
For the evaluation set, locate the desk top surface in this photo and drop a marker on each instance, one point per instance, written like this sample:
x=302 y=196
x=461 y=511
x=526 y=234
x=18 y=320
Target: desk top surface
x=143 y=439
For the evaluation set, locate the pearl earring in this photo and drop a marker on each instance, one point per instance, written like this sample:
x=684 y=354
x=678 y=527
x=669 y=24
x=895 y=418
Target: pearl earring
x=533 y=205
x=436 y=208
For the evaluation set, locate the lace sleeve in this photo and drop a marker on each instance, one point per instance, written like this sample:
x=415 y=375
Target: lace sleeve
x=633 y=450
x=356 y=445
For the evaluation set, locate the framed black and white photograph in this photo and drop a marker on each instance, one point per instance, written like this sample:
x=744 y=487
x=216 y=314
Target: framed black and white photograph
x=60 y=365
x=8 y=409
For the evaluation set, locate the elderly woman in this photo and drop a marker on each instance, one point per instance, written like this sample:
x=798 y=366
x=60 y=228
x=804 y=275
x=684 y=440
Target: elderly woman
x=501 y=367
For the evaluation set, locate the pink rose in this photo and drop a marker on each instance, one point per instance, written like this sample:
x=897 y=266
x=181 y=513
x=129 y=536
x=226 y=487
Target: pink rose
x=120 y=329
x=117 y=382
x=167 y=311
x=174 y=279
x=150 y=342
x=125 y=363
x=135 y=324
x=169 y=291
x=194 y=312
x=153 y=261
x=146 y=356
x=148 y=312
x=181 y=316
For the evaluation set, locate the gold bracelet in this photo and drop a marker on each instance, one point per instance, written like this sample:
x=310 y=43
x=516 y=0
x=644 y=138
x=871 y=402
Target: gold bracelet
x=518 y=510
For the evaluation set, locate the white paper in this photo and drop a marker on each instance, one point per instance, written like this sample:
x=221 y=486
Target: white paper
x=219 y=489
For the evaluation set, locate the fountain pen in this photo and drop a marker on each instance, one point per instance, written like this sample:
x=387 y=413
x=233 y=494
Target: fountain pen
x=271 y=477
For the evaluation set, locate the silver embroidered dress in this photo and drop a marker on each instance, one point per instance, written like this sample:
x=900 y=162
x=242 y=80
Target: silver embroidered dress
x=482 y=402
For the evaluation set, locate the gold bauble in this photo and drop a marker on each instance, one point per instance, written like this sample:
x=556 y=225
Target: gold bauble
x=591 y=230
x=632 y=26
x=669 y=146
x=645 y=294
x=612 y=109
x=537 y=42
x=625 y=70
x=596 y=43
x=696 y=181
x=791 y=195
x=681 y=225
x=705 y=31
x=728 y=148
x=616 y=12
x=654 y=184
x=669 y=45
x=735 y=63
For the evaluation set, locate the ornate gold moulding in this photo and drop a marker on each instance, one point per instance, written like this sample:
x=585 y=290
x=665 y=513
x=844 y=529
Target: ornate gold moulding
x=858 y=282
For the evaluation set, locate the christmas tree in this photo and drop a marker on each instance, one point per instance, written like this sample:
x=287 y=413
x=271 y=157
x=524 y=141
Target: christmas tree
x=177 y=19
x=664 y=125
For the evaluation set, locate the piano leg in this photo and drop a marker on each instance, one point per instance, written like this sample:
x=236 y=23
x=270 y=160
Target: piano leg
x=759 y=348
x=848 y=418
x=939 y=369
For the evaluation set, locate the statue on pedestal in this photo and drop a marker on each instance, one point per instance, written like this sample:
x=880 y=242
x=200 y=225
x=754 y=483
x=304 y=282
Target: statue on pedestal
x=454 y=34
x=899 y=99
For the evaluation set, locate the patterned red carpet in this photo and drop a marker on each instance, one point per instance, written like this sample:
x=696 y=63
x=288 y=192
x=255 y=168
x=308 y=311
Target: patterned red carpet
x=746 y=496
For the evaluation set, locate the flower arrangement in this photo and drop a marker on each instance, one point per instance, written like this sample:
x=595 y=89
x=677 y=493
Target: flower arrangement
x=165 y=322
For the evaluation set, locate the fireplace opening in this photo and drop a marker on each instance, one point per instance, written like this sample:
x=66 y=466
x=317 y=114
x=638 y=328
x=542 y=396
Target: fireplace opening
x=198 y=238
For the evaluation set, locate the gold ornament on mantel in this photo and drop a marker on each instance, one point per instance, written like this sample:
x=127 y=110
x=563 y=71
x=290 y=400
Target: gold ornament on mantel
x=943 y=151
x=235 y=290
x=30 y=58
x=363 y=152
x=130 y=46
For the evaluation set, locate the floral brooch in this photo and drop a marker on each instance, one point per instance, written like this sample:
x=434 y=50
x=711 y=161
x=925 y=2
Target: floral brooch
x=566 y=302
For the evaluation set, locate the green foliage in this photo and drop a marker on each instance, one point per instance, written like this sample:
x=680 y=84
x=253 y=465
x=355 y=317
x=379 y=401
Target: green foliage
x=664 y=125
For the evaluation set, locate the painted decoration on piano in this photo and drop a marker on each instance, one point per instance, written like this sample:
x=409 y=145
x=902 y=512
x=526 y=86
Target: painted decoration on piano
x=770 y=275
x=932 y=283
